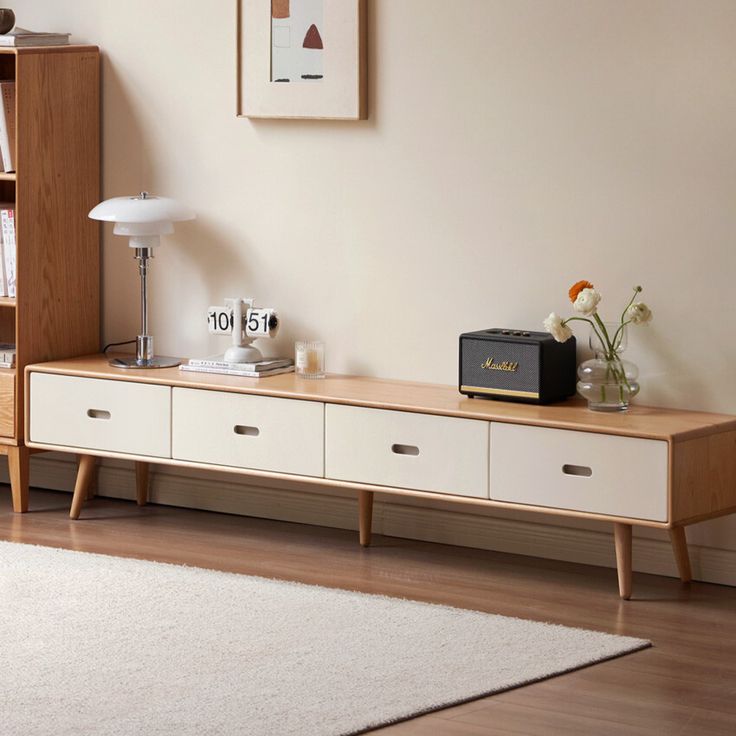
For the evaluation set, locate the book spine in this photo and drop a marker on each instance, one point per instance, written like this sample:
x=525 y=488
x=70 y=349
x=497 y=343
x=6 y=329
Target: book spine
x=6 y=115
x=9 y=109
x=221 y=371
x=204 y=363
x=3 y=275
x=7 y=218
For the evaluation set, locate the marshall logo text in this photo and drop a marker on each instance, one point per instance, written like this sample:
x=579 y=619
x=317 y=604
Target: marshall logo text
x=507 y=365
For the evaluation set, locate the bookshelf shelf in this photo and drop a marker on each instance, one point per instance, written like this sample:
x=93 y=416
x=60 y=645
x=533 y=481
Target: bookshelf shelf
x=57 y=182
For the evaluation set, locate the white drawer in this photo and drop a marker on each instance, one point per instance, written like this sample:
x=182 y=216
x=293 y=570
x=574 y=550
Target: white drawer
x=580 y=471
x=407 y=450
x=258 y=432
x=97 y=414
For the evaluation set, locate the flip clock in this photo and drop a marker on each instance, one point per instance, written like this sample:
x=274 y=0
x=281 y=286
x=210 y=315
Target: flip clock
x=240 y=319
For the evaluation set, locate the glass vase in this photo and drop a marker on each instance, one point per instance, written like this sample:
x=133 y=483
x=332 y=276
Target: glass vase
x=608 y=381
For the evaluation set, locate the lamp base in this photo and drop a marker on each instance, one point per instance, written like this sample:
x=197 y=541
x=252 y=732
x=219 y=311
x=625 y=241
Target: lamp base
x=159 y=361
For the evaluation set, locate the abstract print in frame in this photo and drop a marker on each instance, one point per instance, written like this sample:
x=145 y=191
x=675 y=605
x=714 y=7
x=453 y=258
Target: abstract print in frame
x=302 y=59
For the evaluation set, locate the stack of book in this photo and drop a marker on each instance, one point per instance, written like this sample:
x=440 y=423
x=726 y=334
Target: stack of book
x=7 y=250
x=7 y=355
x=23 y=37
x=215 y=364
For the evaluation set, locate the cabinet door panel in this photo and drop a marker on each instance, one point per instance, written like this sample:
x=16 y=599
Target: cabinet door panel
x=98 y=414
x=407 y=450
x=580 y=471
x=7 y=404
x=258 y=432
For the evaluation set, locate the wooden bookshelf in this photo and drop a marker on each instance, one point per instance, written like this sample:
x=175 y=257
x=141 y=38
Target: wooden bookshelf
x=57 y=181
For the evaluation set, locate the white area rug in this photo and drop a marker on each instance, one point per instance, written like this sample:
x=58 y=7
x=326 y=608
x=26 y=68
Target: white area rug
x=100 y=646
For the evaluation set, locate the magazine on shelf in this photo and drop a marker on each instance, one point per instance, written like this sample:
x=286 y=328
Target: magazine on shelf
x=267 y=364
x=236 y=372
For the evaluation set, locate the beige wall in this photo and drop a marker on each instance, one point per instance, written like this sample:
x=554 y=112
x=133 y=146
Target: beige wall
x=513 y=147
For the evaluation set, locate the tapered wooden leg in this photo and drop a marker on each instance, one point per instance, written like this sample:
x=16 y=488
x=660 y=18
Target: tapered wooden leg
x=622 y=535
x=85 y=474
x=679 y=546
x=141 y=483
x=365 y=503
x=92 y=487
x=18 y=458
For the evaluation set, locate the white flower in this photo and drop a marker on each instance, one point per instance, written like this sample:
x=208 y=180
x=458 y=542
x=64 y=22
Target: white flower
x=587 y=302
x=639 y=313
x=555 y=325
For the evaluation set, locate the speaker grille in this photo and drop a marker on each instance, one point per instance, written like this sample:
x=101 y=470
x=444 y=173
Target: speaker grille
x=475 y=353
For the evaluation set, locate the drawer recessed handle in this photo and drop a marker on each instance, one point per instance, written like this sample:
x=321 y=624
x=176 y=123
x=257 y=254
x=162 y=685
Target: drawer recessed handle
x=247 y=431
x=98 y=414
x=405 y=450
x=580 y=470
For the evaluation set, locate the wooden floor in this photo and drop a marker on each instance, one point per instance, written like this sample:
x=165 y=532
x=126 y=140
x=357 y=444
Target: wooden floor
x=685 y=684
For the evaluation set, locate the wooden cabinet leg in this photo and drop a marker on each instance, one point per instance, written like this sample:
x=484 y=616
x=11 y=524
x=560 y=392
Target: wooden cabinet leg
x=679 y=546
x=622 y=536
x=365 y=503
x=18 y=460
x=85 y=474
x=141 y=483
x=93 y=481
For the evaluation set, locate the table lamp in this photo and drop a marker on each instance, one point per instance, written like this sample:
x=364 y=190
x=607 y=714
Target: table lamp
x=144 y=219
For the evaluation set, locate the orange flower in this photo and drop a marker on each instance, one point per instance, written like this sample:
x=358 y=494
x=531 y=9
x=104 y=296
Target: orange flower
x=575 y=289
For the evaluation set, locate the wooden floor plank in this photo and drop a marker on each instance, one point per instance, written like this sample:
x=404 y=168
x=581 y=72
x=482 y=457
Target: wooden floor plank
x=685 y=684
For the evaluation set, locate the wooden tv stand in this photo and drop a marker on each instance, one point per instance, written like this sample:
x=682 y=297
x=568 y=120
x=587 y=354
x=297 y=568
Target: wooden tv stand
x=648 y=467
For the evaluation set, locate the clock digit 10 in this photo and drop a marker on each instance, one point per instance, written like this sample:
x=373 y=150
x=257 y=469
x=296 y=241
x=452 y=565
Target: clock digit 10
x=220 y=321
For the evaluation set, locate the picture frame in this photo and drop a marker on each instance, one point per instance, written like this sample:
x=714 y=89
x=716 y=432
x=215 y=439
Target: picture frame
x=302 y=59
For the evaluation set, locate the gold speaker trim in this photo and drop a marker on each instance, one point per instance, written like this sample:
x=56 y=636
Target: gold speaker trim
x=501 y=392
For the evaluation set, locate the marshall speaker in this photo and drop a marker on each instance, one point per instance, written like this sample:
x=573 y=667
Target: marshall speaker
x=515 y=365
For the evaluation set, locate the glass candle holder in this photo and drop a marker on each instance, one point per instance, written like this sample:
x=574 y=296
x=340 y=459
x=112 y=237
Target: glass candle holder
x=310 y=359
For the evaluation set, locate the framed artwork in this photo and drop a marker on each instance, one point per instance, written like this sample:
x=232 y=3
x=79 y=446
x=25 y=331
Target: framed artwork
x=302 y=59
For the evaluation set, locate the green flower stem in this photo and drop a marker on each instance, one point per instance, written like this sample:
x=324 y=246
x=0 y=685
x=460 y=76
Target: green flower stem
x=620 y=330
x=610 y=352
x=590 y=322
x=637 y=290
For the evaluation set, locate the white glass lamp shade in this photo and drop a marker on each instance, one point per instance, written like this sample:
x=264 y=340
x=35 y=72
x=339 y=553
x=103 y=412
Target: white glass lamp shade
x=143 y=215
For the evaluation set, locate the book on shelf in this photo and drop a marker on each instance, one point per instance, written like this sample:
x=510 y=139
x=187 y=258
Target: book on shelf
x=24 y=37
x=7 y=228
x=267 y=364
x=7 y=124
x=7 y=355
x=235 y=371
x=3 y=275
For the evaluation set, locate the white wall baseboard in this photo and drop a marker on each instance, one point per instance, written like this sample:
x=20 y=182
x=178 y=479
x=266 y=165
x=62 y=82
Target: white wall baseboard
x=393 y=516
